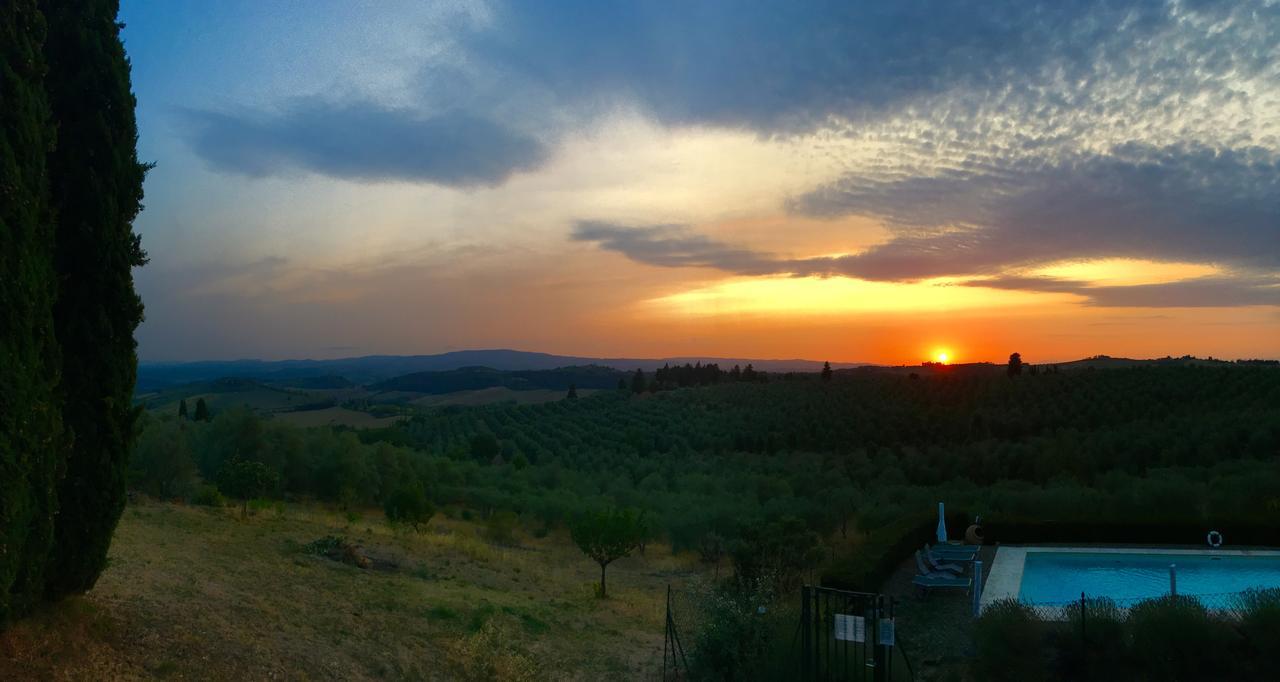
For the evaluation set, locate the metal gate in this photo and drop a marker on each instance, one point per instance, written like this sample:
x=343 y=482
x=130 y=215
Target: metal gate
x=846 y=635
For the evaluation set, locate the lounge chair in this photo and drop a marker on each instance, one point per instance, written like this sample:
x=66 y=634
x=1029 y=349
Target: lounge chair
x=925 y=570
x=941 y=552
x=932 y=562
x=929 y=579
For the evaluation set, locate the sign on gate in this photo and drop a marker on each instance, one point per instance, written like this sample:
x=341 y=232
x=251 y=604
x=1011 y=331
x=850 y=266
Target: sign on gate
x=851 y=628
x=886 y=632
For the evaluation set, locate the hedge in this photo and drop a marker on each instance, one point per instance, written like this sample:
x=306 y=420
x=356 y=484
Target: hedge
x=866 y=568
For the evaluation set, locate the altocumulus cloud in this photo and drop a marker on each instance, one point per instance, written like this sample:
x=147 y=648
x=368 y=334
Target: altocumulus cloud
x=365 y=142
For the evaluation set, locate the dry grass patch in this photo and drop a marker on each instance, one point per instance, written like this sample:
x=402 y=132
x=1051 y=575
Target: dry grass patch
x=194 y=593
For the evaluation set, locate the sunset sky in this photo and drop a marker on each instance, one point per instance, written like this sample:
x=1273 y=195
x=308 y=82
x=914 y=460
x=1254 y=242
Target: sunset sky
x=833 y=181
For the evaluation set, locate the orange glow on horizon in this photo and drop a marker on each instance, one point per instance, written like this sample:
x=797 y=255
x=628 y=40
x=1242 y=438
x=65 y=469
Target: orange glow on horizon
x=942 y=356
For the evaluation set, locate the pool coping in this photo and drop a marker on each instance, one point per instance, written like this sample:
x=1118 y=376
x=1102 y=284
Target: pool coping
x=1004 y=580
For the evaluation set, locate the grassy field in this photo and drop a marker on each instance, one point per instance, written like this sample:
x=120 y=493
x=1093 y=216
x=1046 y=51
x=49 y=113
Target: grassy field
x=197 y=593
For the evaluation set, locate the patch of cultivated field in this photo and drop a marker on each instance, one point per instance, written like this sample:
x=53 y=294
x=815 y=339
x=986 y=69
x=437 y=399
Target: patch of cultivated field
x=497 y=394
x=335 y=416
x=196 y=593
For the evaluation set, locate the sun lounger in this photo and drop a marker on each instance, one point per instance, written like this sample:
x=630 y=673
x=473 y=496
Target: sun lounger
x=942 y=552
x=930 y=579
x=932 y=562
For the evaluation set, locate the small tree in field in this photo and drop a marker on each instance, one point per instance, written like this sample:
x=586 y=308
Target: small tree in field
x=408 y=504
x=245 y=480
x=182 y=409
x=608 y=535
x=826 y=371
x=202 y=411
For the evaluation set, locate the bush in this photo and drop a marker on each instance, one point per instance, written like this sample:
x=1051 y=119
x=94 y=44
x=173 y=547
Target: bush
x=867 y=567
x=743 y=636
x=500 y=528
x=1260 y=626
x=208 y=496
x=1174 y=638
x=408 y=505
x=1094 y=649
x=1010 y=643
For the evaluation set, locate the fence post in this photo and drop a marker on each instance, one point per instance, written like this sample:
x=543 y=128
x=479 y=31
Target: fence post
x=1173 y=579
x=666 y=636
x=806 y=635
x=977 y=588
x=1083 y=614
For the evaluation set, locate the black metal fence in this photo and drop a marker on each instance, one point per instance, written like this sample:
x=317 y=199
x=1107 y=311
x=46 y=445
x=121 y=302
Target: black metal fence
x=846 y=635
x=832 y=635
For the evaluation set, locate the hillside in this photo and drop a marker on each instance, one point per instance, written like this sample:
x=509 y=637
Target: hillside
x=475 y=378
x=375 y=368
x=196 y=593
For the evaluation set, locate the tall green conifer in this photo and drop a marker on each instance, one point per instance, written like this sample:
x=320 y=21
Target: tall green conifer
x=95 y=183
x=30 y=432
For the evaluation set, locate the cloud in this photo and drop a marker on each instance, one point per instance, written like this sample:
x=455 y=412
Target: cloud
x=1194 y=293
x=674 y=246
x=363 y=141
x=1180 y=204
x=782 y=66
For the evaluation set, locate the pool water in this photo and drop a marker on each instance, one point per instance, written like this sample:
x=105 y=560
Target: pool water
x=1056 y=577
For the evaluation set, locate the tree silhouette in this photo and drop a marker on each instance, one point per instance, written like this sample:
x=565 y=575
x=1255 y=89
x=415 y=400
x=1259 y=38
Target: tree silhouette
x=1015 y=364
x=182 y=409
x=32 y=441
x=484 y=447
x=826 y=371
x=637 y=381
x=202 y=410
x=608 y=535
x=573 y=392
x=245 y=480
x=408 y=504
x=95 y=192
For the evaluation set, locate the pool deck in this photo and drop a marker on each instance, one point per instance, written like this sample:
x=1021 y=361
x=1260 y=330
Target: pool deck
x=1004 y=580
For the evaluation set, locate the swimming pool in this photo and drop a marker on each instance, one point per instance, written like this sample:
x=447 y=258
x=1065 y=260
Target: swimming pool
x=1056 y=577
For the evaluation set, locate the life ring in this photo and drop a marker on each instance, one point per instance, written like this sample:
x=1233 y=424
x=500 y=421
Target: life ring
x=1214 y=538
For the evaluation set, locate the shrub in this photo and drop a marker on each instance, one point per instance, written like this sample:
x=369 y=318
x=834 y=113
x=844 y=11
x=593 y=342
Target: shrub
x=408 y=505
x=1010 y=643
x=1260 y=625
x=500 y=528
x=208 y=496
x=884 y=549
x=742 y=635
x=1093 y=647
x=1175 y=638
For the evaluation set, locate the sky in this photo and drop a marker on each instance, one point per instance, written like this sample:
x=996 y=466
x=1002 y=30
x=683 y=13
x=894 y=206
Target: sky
x=855 y=182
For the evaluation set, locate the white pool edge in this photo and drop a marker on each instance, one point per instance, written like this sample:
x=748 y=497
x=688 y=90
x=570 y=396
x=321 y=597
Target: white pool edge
x=1004 y=580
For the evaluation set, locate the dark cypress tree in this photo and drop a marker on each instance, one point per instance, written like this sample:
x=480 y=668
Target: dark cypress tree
x=95 y=183
x=182 y=409
x=573 y=392
x=202 y=411
x=31 y=438
x=637 y=382
x=826 y=371
x=1015 y=365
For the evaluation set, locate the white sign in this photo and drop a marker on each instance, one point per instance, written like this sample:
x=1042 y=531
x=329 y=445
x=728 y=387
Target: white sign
x=851 y=628
x=886 y=632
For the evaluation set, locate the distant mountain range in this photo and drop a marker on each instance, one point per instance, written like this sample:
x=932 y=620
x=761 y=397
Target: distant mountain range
x=376 y=368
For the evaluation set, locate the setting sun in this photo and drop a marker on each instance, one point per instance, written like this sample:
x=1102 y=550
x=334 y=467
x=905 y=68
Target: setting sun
x=942 y=356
